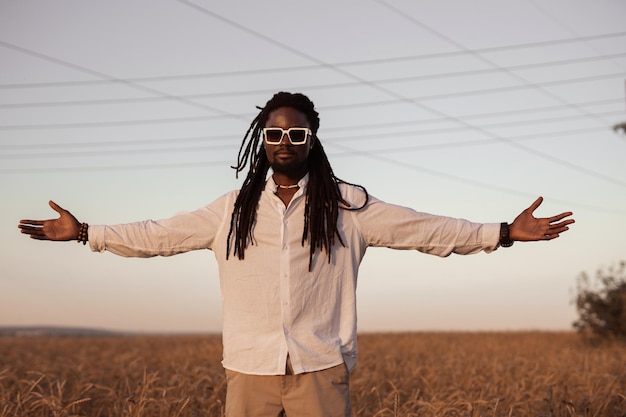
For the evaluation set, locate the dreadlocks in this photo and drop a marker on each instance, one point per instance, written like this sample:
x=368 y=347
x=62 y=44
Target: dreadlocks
x=323 y=198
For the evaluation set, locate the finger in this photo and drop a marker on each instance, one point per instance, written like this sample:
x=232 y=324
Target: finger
x=31 y=222
x=35 y=233
x=559 y=229
x=535 y=205
x=561 y=224
x=56 y=207
x=553 y=234
x=30 y=229
x=560 y=216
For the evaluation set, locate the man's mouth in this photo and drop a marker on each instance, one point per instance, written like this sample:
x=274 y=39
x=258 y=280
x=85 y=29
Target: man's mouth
x=284 y=153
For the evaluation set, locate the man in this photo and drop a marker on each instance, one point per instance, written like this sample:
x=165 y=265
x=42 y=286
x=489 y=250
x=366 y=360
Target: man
x=288 y=248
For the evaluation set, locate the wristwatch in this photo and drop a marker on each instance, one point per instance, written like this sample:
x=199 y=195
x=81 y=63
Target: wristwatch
x=505 y=238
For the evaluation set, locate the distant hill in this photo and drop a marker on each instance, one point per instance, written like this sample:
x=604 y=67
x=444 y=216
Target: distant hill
x=47 y=331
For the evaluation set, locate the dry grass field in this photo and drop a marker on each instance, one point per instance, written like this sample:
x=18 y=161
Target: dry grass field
x=412 y=374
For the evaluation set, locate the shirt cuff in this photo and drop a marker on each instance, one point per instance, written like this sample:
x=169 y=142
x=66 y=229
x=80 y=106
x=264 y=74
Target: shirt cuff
x=491 y=235
x=96 y=238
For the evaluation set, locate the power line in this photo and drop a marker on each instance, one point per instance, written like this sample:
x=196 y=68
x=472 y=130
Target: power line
x=365 y=82
x=543 y=11
x=373 y=85
x=518 y=146
x=462 y=128
x=550 y=16
x=156 y=121
x=386 y=150
x=283 y=69
x=392 y=80
x=200 y=96
x=502 y=113
x=117 y=142
x=481 y=129
x=40 y=170
x=349 y=151
x=473 y=142
x=458 y=45
x=413 y=100
x=361 y=127
x=332 y=142
x=338 y=143
x=373 y=154
x=539 y=44
x=472 y=182
x=102 y=152
x=299 y=53
x=102 y=75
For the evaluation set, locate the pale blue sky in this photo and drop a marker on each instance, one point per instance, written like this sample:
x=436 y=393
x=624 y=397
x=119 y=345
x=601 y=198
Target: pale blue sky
x=123 y=111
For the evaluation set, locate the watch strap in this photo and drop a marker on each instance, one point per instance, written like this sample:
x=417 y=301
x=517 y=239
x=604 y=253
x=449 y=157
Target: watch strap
x=505 y=238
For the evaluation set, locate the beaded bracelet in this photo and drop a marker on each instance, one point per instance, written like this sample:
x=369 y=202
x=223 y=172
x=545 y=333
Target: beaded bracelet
x=82 y=234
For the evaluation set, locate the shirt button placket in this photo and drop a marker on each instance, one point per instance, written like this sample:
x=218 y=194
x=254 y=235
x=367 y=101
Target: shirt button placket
x=284 y=274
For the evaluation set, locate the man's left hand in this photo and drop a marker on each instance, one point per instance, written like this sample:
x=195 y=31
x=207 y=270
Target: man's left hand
x=527 y=227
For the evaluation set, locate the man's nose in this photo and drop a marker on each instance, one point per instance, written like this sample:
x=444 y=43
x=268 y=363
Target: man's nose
x=285 y=139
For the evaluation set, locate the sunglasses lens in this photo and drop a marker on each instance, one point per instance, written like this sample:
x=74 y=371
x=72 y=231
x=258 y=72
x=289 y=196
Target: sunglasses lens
x=297 y=135
x=273 y=135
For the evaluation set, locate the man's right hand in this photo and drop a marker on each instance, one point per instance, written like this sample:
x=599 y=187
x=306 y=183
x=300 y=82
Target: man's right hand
x=66 y=227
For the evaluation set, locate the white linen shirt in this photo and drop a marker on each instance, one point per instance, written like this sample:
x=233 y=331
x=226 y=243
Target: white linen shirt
x=272 y=304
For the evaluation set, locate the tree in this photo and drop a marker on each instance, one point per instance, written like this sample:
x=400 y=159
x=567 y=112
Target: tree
x=601 y=303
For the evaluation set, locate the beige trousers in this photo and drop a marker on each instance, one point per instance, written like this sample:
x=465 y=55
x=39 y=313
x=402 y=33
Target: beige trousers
x=314 y=394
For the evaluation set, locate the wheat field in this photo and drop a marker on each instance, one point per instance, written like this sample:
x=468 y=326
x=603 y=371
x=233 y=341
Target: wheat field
x=400 y=374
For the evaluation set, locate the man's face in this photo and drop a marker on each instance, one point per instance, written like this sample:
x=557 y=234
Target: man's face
x=285 y=158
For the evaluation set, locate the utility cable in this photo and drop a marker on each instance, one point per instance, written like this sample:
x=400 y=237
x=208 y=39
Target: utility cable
x=287 y=69
x=413 y=100
x=299 y=53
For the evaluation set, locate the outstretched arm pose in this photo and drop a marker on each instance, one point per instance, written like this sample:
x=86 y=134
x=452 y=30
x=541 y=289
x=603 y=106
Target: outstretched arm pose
x=525 y=228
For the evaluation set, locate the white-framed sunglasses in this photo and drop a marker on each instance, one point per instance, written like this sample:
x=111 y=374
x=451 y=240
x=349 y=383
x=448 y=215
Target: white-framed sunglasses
x=296 y=135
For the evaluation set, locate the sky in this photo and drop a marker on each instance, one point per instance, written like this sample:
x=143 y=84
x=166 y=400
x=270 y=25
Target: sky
x=123 y=111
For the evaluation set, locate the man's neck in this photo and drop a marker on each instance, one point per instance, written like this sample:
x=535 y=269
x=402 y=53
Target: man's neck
x=286 y=181
x=287 y=186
